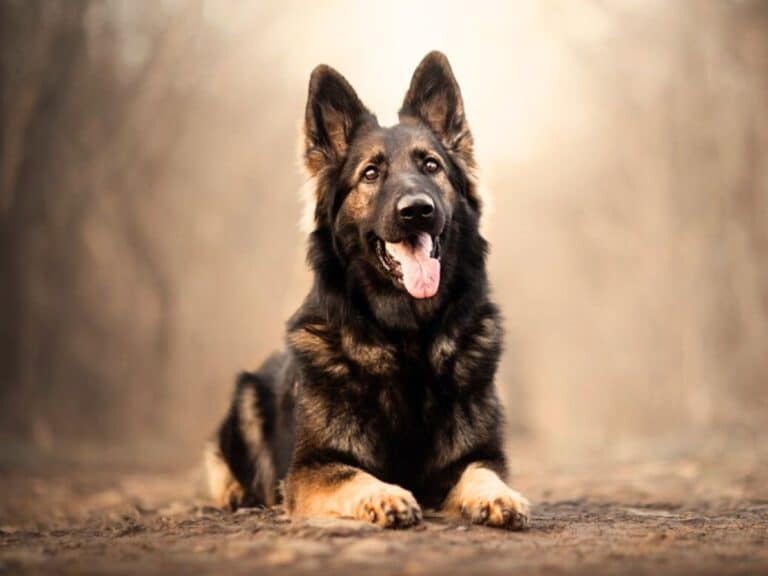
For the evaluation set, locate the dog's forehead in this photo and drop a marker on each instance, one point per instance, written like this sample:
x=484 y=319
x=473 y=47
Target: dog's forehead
x=395 y=141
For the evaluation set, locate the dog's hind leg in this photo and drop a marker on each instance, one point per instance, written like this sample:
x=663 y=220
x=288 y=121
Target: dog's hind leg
x=223 y=487
x=248 y=457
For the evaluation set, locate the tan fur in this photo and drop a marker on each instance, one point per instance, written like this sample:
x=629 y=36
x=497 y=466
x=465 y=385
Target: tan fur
x=251 y=426
x=486 y=336
x=225 y=490
x=313 y=341
x=307 y=194
x=442 y=350
x=360 y=496
x=484 y=498
x=377 y=359
x=314 y=160
x=357 y=204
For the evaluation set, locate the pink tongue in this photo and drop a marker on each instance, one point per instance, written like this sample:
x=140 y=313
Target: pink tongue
x=421 y=272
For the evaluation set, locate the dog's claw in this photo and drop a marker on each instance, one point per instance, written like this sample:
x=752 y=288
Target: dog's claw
x=519 y=521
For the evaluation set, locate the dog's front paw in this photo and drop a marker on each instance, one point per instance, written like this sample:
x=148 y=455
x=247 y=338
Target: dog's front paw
x=483 y=498
x=509 y=510
x=387 y=505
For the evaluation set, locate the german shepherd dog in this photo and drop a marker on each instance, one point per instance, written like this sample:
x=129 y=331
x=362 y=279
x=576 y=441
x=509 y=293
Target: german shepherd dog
x=384 y=399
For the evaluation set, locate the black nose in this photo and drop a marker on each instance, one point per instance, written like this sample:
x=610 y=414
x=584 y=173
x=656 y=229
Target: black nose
x=416 y=209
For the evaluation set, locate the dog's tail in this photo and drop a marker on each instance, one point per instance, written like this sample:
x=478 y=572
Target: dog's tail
x=250 y=453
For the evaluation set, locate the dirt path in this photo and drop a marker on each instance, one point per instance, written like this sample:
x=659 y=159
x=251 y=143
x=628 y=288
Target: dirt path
x=703 y=516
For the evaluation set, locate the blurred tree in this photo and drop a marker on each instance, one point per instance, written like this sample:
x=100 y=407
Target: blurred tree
x=71 y=151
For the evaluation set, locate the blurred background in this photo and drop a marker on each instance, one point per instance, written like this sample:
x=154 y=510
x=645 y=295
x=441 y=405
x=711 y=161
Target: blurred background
x=150 y=244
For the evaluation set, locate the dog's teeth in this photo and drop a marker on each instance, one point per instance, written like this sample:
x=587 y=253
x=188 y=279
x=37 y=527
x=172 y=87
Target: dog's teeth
x=388 y=261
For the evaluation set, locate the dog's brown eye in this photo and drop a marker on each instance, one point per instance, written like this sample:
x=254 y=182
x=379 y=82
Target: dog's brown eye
x=431 y=166
x=371 y=174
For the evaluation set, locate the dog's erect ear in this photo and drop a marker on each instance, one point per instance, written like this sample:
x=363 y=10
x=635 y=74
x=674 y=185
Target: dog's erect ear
x=435 y=98
x=334 y=113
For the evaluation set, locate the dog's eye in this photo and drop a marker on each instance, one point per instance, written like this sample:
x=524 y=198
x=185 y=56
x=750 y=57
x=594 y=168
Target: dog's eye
x=431 y=166
x=371 y=174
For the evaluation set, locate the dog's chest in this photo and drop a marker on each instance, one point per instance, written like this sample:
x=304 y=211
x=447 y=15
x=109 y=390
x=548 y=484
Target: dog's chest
x=416 y=409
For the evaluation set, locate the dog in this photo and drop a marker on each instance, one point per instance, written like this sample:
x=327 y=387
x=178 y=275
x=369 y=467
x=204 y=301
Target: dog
x=383 y=401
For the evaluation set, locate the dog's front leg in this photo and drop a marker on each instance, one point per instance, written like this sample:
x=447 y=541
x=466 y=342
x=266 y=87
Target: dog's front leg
x=484 y=498
x=338 y=490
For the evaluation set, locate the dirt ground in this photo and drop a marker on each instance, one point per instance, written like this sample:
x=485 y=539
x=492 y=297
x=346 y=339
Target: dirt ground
x=703 y=514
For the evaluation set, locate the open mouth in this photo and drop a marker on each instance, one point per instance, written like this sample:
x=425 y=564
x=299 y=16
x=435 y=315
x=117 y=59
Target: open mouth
x=413 y=263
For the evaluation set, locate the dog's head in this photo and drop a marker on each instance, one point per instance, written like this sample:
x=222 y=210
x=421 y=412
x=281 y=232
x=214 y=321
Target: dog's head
x=392 y=199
